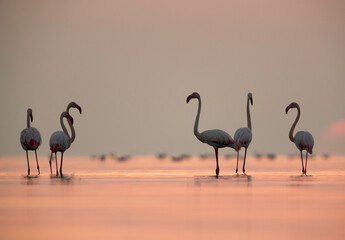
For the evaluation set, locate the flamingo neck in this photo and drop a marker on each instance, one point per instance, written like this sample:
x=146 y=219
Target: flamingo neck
x=28 y=120
x=71 y=126
x=65 y=129
x=196 y=124
x=294 y=125
x=249 y=122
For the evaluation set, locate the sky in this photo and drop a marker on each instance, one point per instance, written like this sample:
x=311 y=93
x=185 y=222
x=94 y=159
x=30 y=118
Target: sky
x=131 y=64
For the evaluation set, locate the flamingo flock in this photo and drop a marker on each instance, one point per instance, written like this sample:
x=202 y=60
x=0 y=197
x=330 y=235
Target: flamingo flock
x=60 y=141
x=243 y=136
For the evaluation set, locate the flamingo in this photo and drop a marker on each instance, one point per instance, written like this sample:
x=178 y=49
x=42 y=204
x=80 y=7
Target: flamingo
x=303 y=140
x=215 y=137
x=69 y=106
x=243 y=136
x=30 y=139
x=60 y=141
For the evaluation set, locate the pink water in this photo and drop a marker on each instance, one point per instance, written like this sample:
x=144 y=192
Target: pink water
x=148 y=198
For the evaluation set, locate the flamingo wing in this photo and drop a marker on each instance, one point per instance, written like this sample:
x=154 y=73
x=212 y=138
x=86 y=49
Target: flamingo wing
x=304 y=141
x=216 y=138
x=58 y=142
x=243 y=136
x=30 y=138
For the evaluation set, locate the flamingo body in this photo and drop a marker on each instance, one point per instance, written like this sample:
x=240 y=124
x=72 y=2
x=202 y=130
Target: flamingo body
x=59 y=142
x=304 y=141
x=30 y=139
x=215 y=137
x=243 y=136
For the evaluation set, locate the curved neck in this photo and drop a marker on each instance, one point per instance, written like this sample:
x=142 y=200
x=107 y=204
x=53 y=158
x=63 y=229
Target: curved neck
x=196 y=124
x=294 y=125
x=71 y=126
x=72 y=131
x=28 y=120
x=249 y=122
x=65 y=130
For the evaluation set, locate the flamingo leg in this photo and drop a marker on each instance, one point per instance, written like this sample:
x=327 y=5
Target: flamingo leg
x=61 y=164
x=306 y=158
x=27 y=159
x=217 y=169
x=302 y=162
x=57 y=173
x=244 y=160
x=238 y=153
x=50 y=162
x=38 y=166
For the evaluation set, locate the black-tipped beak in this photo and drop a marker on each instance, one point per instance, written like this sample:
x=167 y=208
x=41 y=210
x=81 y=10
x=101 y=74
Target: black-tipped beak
x=287 y=109
x=31 y=117
x=251 y=101
x=189 y=98
x=79 y=108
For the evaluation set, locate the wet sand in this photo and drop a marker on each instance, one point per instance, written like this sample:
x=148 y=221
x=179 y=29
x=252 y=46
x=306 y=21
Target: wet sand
x=148 y=198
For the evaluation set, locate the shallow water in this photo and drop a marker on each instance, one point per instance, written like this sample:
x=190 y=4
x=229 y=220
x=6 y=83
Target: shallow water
x=148 y=198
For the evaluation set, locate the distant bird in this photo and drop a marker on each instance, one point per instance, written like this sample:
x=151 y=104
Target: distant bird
x=303 y=140
x=60 y=141
x=30 y=139
x=69 y=106
x=243 y=136
x=215 y=138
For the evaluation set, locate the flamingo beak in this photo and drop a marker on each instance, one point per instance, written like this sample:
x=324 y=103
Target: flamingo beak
x=287 y=109
x=78 y=107
x=31 y=117
x=251 y=101
x=189 y=98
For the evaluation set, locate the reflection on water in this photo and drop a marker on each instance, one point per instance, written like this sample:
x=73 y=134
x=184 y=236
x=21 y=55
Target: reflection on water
x=64 y=179
x=147 y=198
x=30 y=179
x=226 y=178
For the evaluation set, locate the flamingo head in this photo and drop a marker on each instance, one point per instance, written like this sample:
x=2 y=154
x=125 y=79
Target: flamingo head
x=250 y=98
x=30 y=114
x=193 y=95
x=234 y=145
x=73 y=105
x=292 y=105
x=69 y=117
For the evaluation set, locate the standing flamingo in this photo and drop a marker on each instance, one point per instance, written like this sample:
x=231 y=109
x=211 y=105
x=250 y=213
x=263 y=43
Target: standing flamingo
x=243 y=136
x=303 y=140
x=215 y=137
x=69 y=106
x=30 y=139
x=60 y=141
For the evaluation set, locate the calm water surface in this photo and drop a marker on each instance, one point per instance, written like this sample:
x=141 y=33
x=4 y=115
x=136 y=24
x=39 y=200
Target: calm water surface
x=148 y=198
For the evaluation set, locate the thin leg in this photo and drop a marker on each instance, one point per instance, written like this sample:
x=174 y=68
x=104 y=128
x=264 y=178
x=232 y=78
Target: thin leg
x=244 y=160
x=50 y=163
x=306 y=158
x=302 y=163
x=57 y=173
x=238 y=153
x=217 y=169
x=61 y=164
x=38 y=166
x=27 y=159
